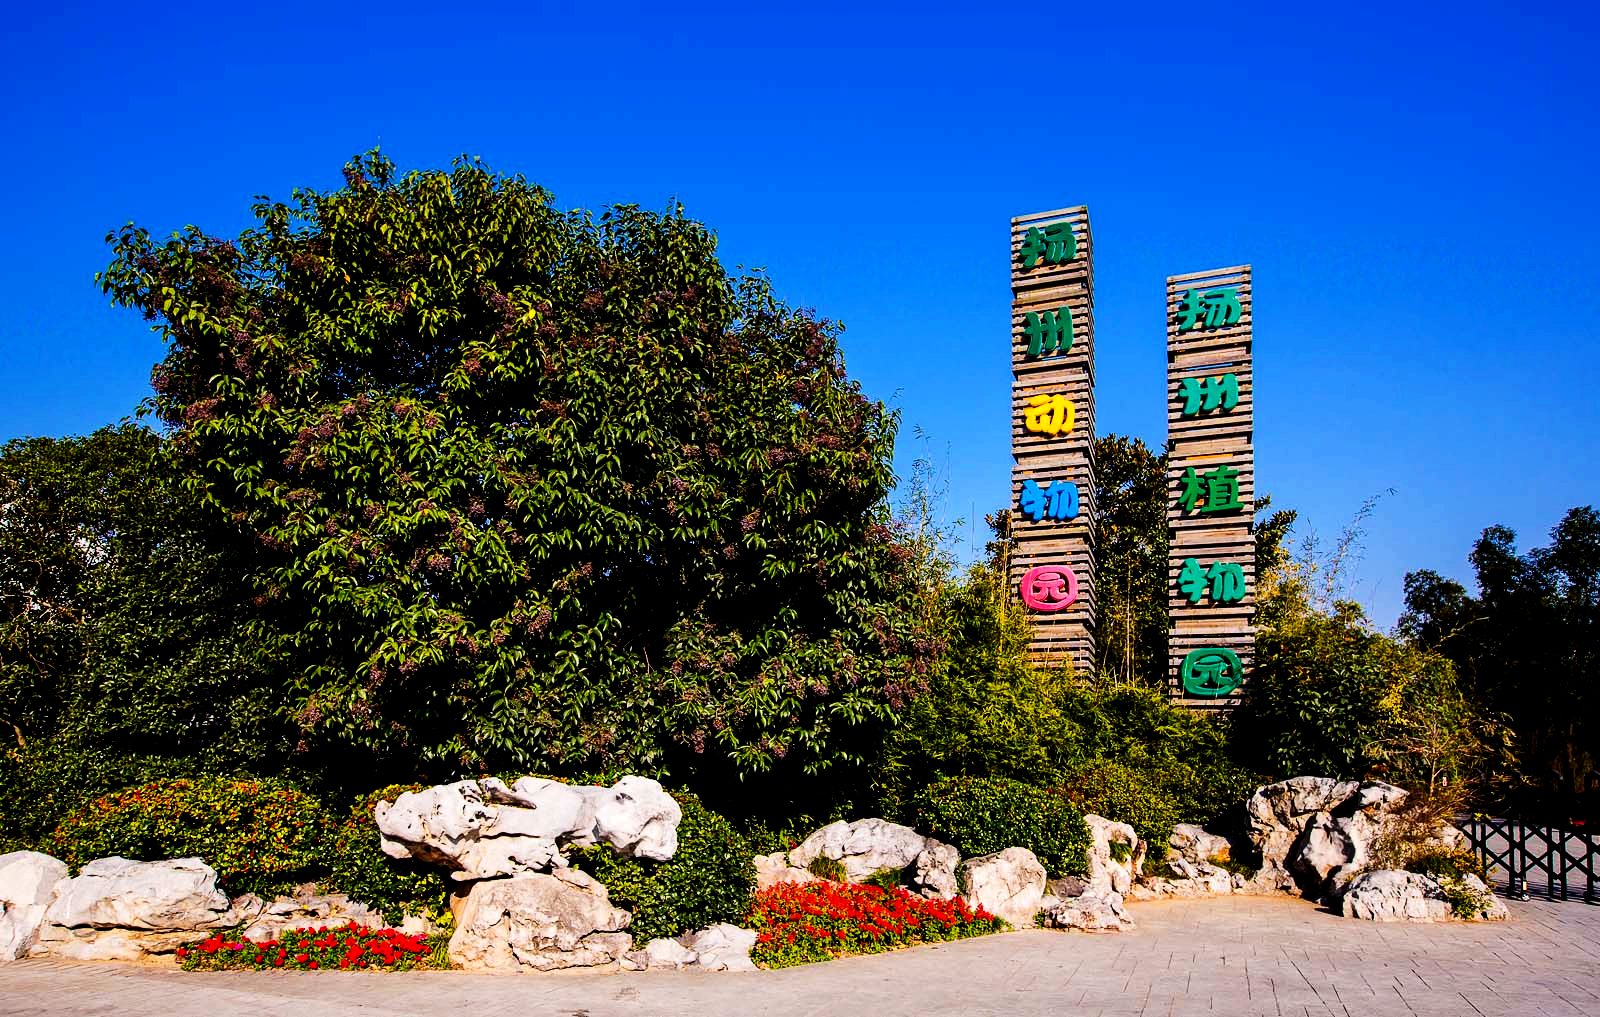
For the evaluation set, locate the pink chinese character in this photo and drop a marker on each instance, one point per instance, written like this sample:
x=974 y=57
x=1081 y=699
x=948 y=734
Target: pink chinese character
x=1049 y=587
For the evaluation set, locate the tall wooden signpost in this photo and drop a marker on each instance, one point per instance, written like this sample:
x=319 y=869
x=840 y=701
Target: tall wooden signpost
x=1052 y=431
x=1211 y=475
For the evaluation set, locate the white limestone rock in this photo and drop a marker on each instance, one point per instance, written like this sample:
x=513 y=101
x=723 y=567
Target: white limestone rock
x=1106 y=872
x=1390 y=895
x=1097 y=911
x=1198 y=846
x=660 y=955
x=283 y=914
x=28 y=880
x=483 y=829
x=867 y=846
x=1008 y=884
x=538 y=922
x=1315 y=833
x=722 y=947
x=775 y=868
x=118 y=909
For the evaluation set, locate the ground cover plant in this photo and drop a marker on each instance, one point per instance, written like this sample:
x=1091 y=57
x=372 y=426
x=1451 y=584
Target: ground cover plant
x=349 y=948
x=798 y=923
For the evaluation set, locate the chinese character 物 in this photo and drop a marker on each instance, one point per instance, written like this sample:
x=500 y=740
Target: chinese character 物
x=1058 y=501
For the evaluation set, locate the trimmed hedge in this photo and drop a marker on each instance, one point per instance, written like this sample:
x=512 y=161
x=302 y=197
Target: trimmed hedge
x=262 y=836
x=982 y=815
x=362 y=871
x=710 y=879
x=1119 y=792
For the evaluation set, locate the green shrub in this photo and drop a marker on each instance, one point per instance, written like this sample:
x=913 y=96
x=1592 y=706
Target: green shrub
x=262 y=836
x=885 y=879
x=365 y=873
x=982 y=815
x=824 y=867
x=1447 y=863
x=1118 y=792
x=710 y=879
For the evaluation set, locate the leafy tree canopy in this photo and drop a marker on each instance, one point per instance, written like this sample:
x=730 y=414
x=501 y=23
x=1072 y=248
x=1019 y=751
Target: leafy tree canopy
x=532 y=486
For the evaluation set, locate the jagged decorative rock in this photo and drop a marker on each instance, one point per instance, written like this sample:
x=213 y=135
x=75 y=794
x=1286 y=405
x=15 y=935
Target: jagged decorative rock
x=660 y=955
x=1197 y=846
x=1067 y=887
x=266 y=920
x=1106 y=872
x=867 y=846
x=485 y=829
x=118 y=909
x=1203 y=880
x=28 y=880
x=1008 y=884
x=1315 y=833
x=540 y=922
x=775 y=868
x=1389 y=895
x=1099 y=911
x=722 y=947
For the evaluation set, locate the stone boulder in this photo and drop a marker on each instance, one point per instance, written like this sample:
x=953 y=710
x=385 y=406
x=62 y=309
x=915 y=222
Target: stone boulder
x=539 y=922
x=265 y=920
x=1315 y=833
x=28 y=880
x=1099 y=911
x=775 y=868
x=1111 y=868
x=117 y=909
x=1197 y=846
x=659 y=955
x=1389 y=895
x=867 y=846
x=722 y=947
x=1188 y=880
x=1008 y=884
x=482 y=829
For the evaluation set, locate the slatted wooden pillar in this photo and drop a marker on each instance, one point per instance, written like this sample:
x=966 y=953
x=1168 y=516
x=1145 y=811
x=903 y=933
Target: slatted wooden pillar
x=1210 y=430
x=1048 y=286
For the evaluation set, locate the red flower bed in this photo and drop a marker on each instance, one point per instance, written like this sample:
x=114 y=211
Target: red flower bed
x=348 y=948
x=802 y=922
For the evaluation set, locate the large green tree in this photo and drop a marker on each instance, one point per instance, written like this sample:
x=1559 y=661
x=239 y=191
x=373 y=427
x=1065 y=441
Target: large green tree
x=1527 y=644
x=535 y=487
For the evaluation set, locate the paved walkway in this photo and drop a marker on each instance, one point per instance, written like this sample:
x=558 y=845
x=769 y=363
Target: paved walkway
x=1238 y=956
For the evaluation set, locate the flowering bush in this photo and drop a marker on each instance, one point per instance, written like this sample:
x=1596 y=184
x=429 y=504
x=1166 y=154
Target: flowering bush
x=800 y=923
x=347 y=948
x=262 y=836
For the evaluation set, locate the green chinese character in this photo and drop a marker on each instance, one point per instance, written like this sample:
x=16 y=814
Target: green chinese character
x=1048 y=331
x=1211 y=308
x=1192 y=580
x=1217 y=491
x=1055 y=244
x=1227 y=582
x=1201 y=395
x=1224 y=580
x=1213 y=671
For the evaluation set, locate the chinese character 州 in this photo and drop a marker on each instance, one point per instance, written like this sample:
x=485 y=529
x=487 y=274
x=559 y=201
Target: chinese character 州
x=1225 y=579
x=1054 y=245
x=1204 y=394
x=1217 y=491
x=1049 y=587
x=1213 y=671
x=1209 y=308
x=1058 y=501
x=1048 y=331
x=1049 y=414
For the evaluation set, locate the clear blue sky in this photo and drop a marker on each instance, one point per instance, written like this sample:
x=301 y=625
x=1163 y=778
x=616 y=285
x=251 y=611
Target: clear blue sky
x=1415 y=188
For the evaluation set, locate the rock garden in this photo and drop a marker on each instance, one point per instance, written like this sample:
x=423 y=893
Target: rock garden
x=525 y=864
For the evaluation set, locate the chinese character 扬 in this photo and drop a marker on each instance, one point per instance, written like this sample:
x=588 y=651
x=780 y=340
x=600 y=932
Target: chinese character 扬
x=1053 y=244
x=1209 y=308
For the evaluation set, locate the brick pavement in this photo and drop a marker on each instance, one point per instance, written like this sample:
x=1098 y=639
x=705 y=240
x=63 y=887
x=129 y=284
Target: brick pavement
x=1235 y=956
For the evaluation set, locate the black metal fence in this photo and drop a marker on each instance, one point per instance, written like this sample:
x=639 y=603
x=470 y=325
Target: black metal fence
x=1525 y=859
